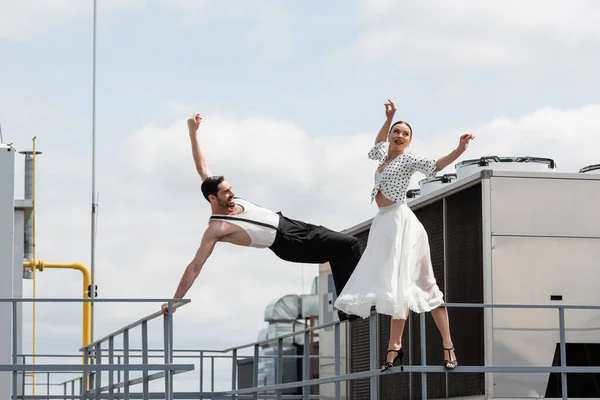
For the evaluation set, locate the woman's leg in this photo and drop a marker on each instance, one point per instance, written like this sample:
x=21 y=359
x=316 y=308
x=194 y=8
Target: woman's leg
x=396 y=330
x=440 y=317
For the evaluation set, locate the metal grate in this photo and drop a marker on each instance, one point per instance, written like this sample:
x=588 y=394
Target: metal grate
x=464 y=270
x=432 y=218
x=359 y=346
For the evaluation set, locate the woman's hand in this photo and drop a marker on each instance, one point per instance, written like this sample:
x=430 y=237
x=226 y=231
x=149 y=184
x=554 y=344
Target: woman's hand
x=390 y=109
x=463 y=143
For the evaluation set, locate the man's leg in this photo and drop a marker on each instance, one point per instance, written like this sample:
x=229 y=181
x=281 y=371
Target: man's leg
x=343 y=253
x=298 y=241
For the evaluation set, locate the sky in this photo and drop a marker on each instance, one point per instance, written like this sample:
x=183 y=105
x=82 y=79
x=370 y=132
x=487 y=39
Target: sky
x=291 y=95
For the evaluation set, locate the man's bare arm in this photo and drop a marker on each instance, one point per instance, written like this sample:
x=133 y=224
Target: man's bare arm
x=199 y=160
x=211 y=236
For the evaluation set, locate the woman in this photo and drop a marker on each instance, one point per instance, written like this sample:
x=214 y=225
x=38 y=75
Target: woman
x=395 y=271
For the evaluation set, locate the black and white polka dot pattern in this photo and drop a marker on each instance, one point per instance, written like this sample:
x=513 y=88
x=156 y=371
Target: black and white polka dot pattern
x=397 y=174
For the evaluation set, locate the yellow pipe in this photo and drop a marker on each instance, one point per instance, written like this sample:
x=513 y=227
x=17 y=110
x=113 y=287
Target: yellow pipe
x=87 y=281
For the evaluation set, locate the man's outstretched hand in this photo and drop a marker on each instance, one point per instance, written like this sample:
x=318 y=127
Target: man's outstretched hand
x=165 y=308
x=193 y=123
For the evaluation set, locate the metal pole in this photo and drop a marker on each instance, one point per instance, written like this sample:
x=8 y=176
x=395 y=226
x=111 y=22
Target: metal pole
x=563 y=352
x=126 y=362
x=373 y=352
x=423 y=356
x=212 y=373
x=111 y=360
x=233 y=373
x=14 y=350
x=167 y=343
x=336 y=358
x=83 y=387
x=170 y=329
x=306 y=366
x=93 y=244
x=255 y=371
x=119 y=376
x=145 y=359
x=98 y=373
x=279 y=367
x=201 y=373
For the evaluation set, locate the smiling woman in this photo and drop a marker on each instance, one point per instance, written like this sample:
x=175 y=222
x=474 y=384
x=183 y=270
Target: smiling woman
x=395 y=272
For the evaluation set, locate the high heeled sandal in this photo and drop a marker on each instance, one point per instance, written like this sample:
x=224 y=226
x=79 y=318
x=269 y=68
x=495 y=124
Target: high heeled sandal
x=391 y=364
x=450 y=364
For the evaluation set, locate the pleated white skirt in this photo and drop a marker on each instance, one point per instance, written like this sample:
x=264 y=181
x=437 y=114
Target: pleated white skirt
x=395 y=270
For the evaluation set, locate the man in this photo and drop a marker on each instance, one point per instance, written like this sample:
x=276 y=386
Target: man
x=243 y=223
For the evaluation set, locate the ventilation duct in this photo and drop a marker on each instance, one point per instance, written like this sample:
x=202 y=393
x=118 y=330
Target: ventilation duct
x=429 y=185
x=535 y=164
x=594 y=168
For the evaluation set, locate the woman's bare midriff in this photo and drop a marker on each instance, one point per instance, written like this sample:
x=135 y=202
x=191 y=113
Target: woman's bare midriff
x=383 y=201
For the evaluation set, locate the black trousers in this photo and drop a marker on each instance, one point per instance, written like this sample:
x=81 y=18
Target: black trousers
x=301 y=242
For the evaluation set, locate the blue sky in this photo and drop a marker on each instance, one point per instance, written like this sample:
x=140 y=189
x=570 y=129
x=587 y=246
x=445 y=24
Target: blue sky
x=276 y=82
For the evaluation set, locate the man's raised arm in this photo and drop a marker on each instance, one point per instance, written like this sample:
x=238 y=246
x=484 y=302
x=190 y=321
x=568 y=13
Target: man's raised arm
x=193 y=125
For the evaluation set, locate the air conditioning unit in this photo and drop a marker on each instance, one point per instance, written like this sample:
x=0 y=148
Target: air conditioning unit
x=498 y=236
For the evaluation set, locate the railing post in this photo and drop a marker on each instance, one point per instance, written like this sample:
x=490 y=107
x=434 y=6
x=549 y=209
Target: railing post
x=167 y=344
x=84 y=385
x=212 y=373
x=563 y=351
x=98 y=373
x=279 y=368
x=14 y=350
x=145 y=359
x=423 y=356
x=119 y=375
x=126 y=362
x=111 y=360
x=255 y=371
x=373 y=352
x=170 y=330
x=201 y=374
x=306 y=366
x=234 y=373
x=336 y=358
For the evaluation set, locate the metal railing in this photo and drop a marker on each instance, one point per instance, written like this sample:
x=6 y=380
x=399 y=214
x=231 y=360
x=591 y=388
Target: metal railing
x=92 y=366
x=275 y=390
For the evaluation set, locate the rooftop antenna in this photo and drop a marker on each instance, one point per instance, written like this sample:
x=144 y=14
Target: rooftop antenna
x=93 y=244
x=1 y=138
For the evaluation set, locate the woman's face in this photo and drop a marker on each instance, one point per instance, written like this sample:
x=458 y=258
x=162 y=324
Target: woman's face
x=400 y=137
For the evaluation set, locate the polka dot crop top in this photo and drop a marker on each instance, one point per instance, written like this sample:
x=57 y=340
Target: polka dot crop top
x=395 y=178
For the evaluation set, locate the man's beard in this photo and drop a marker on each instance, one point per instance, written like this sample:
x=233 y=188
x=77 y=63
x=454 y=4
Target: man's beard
x=226 y=204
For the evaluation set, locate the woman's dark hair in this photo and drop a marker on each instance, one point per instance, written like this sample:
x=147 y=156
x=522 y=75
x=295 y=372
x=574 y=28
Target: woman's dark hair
x=211 y=186
x=402 y=122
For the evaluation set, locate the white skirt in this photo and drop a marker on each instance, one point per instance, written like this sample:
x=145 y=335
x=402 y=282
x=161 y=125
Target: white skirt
x=395 y=271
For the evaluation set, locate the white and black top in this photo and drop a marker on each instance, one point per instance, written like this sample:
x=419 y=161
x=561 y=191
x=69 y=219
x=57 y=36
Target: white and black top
x=395 y=178
x=258 y=222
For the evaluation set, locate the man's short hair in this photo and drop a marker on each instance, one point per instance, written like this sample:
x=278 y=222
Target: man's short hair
x=211 y=186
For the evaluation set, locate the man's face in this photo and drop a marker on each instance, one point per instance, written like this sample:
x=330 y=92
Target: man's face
x=225 y=195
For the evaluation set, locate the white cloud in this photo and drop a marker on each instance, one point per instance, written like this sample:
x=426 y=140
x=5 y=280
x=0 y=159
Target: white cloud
x=21 y=20
x=567 y=136
x=267 y=27
x=473 y=36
